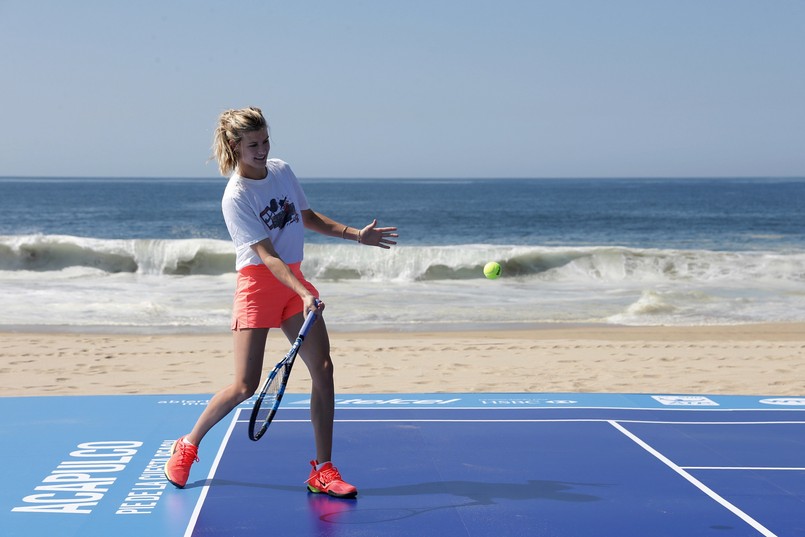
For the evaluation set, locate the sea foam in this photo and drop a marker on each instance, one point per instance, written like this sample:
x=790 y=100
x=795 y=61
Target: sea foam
x=58 y=280
x=339 y=261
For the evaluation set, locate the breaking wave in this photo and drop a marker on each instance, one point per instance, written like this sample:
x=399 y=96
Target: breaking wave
x=144 y=256
x=407 y=264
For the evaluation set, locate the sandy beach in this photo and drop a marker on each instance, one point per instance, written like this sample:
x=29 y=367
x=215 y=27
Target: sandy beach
x=763 y=359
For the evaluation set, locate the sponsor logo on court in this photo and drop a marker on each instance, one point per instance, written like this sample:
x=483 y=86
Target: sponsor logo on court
x=786 y=401
x=77 y=484
x=527 y=402
x=684 y=400
x=142 y=498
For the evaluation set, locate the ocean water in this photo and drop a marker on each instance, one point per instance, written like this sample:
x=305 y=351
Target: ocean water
x=153 y=255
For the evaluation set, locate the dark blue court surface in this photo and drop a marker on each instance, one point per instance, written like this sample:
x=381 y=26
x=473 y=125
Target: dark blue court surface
x=440 y=464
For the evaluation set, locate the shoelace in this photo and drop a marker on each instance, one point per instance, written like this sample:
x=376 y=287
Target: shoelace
x=329 y=475
x=326 y=476
x=187 y=456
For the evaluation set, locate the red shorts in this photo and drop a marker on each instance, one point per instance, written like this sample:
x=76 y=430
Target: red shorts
x=262 y=301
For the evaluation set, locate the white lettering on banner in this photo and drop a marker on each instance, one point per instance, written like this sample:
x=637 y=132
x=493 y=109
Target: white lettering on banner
x=73 y=487
x=786 y=401
x=147 y=491
x=528 y=402
x=184 y=402
x=684 y=400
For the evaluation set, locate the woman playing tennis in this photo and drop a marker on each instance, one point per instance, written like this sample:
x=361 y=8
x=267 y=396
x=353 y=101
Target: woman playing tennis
x=266 y=212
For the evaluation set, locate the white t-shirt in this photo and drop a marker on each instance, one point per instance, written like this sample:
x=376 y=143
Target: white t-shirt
x=255 y=209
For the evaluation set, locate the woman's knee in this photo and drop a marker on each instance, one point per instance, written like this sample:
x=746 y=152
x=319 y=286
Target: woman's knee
x=243 y=390
x=321 y=368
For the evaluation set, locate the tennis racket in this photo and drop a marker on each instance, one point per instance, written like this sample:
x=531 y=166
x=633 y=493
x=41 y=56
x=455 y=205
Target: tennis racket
x=274 y=387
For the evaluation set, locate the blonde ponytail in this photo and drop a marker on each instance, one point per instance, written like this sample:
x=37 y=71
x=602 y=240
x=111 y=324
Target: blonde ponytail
x=232 y=124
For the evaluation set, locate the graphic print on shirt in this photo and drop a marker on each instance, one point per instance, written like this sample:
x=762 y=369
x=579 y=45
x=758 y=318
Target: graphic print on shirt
x=279 y=214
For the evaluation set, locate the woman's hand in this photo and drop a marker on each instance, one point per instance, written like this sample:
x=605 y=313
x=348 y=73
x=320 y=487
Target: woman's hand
x=377 y=236
x=312 y=303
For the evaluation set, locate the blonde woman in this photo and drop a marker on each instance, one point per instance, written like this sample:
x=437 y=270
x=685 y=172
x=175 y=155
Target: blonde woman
x=266 y=212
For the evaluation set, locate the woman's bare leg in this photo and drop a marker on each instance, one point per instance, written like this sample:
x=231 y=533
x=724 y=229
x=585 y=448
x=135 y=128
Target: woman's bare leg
x=249 y=347
x=315 y=352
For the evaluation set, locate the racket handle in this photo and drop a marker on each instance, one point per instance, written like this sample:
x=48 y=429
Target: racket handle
x=311 y=318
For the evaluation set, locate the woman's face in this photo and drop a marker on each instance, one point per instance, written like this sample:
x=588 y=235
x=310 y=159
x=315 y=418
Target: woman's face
x=252 y=153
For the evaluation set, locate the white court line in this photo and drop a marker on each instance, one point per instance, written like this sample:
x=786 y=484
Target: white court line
x=191 y=524
x=713 y=422
x=695 y=482
x=544 y=420
x=761 y=468
x=403 y=420
x=385 y=406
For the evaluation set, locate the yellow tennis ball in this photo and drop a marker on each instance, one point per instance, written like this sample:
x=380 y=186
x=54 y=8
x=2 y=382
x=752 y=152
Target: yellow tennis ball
x=492 y=270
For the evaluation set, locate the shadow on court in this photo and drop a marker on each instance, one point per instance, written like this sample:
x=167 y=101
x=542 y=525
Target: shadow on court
x=479 y=492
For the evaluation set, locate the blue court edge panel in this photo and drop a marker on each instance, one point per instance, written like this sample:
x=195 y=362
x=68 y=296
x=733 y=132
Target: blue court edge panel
x=504 y=464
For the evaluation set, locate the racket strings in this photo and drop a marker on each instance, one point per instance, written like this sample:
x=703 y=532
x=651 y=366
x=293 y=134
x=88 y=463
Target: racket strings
x=276 y=384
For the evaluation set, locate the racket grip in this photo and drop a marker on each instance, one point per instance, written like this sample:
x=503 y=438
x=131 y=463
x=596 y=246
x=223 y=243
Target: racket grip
x=311 y=318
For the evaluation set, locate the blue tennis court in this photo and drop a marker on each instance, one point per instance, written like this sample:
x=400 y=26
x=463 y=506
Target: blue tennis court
x=425 y=464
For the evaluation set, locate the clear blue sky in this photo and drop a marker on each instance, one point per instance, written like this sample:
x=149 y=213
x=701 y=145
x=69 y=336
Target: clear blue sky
x=414 y=88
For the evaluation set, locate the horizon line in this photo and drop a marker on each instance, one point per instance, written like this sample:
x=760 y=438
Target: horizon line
x=403 y=178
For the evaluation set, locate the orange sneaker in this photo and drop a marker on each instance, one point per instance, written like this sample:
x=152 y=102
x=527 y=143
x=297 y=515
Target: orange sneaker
x=183 y=455
x=328 y=481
